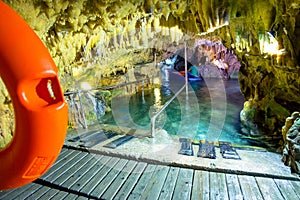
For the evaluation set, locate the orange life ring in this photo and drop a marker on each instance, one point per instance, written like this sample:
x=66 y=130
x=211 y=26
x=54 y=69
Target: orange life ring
x=41 y=113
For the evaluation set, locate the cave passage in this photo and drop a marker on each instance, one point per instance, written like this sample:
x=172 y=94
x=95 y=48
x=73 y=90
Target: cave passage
x=214 y=114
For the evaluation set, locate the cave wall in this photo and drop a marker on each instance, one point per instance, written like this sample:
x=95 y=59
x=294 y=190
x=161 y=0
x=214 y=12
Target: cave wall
x=101 y=38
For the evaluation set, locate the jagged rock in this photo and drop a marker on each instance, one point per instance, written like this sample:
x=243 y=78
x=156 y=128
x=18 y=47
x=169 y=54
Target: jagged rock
x=291 y=153
x=288 y=123
x=247 y=118
x=216 y=53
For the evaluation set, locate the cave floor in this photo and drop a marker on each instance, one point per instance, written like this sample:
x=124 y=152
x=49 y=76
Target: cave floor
x=151 y=168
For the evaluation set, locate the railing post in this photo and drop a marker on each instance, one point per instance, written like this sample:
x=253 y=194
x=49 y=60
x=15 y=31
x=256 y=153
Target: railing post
x=143 y=92
x=185 y=70
x=82 y=110
x=153 y=126
x=154 y=62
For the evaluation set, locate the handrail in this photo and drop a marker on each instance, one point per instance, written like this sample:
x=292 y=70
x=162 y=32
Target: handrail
x=109 y=87
x=78 y=92
x=153 y=118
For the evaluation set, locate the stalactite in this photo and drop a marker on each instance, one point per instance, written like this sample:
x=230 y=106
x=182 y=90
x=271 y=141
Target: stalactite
x=217 y=18
x=250 y=40
x=156 y=25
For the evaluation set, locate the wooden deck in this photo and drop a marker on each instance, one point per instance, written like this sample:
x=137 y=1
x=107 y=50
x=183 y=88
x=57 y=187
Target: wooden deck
x=83 y=175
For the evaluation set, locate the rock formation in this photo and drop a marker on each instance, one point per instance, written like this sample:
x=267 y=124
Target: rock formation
x=97 y=39
x=291 y=135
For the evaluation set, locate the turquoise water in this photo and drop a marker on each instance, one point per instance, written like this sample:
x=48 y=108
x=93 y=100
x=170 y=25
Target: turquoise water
x=211 y=111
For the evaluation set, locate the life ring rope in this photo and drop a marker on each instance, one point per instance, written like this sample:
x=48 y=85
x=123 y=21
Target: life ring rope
x=41 y=113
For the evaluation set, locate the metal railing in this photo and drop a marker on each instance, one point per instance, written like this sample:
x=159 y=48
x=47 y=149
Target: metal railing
x=111 y=86
x=153 y=118
x=79 y=111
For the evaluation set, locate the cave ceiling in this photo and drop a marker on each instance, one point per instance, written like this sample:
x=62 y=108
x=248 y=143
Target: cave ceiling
x=71 y=29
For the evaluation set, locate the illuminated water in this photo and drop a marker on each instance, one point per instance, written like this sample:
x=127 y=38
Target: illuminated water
x=212 y=111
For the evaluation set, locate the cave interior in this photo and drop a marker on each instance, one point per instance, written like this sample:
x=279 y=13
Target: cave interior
x=97 y=41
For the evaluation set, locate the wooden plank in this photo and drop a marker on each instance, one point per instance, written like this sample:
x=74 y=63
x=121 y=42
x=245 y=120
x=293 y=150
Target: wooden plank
x=287 y=189
x=63 y=154
x=119 y=180
x=69 y=156
x=39 y=193
x=142 y=183
x=82 y=198
x=6 y=192
x=88 y=175
x=61 y=159
x=218 y=187
x=156 y=183
x=233 y=186
x=249 y=187
x=65 y=167
x=60 y=195
x=108 y=178
x=183 y=188
x=13 y=194
x=127 y=187
x=200 y=185
x=268 y=188
x=96 y=179
x=49 y=194
x=70 y=196
x=169 y=185
x=82 y=170
x=85 y=157
x=30 y=191
x=296 y=185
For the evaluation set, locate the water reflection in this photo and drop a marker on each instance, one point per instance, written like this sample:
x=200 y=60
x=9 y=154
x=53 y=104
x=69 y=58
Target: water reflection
x=157 y=96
